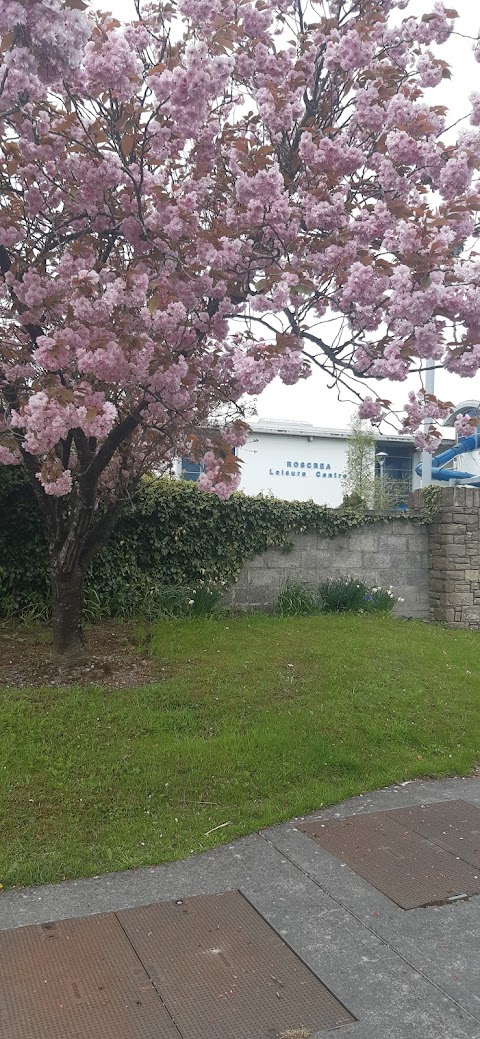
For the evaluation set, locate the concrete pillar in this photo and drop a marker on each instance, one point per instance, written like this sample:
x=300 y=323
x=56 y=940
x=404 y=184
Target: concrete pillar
x=454 y=557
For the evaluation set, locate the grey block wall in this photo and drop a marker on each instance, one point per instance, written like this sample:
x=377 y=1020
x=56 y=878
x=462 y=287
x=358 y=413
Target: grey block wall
x=391 y=553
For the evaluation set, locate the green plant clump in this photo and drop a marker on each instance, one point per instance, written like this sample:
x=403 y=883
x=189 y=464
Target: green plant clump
x=298 y=598
x=354 y=596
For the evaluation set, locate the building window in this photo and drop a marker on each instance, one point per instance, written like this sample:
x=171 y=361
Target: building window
x=191 y=470
x=398 y=463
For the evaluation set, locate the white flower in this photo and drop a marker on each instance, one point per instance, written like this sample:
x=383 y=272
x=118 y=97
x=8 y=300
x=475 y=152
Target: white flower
x=191 y=602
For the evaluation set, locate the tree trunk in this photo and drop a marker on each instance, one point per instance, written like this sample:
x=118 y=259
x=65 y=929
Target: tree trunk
x=67 y=589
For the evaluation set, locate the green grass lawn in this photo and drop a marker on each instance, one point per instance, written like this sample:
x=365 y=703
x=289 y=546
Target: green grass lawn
x=254 y=720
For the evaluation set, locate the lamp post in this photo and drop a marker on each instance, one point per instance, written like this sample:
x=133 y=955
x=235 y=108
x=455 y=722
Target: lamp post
x=381 y=457
x=426 y=456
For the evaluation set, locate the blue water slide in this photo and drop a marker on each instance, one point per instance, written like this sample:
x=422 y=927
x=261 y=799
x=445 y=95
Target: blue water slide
x=465 y=444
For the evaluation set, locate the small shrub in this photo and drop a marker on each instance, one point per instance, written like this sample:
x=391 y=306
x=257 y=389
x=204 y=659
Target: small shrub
x=380 y=600
x=92 y=610
x=152 y=600
x=38 y=611
x=180 y=601
x=206 y=601
x=353 y=596
x=342 y=595
x=297 y=598
x=165 y=601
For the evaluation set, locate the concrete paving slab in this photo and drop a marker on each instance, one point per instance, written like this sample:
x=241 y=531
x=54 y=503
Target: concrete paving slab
x=441 y=943
x=435 y=941
x=403 y=795
x=249 y=864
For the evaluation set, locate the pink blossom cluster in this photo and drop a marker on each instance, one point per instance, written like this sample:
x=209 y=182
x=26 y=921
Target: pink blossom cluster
x=372 y=409
x=43 y=422
x=220 y=466
x=429 y=442
x=393 y=364
x=475 y=103
x=213 y=478
x=188 y=87
x=110 y=64
x=54 y=479
x=204 y=13
x=43 y=42
x=349 y=50
x=421 y=407
x=466 y=424
x=463 y=362
x=429 y=69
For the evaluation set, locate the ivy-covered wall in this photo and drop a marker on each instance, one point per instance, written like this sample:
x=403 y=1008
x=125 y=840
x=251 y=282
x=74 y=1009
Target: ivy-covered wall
x=171 y=535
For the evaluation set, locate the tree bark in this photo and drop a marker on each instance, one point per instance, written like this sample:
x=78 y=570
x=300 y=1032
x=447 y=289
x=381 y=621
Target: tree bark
x=67 y=591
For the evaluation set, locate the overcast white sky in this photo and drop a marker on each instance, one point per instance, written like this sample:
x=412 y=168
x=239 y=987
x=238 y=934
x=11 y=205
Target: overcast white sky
x=311 y=400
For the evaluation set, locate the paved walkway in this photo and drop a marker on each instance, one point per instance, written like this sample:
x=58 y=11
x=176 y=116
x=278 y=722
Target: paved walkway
x=402 y=975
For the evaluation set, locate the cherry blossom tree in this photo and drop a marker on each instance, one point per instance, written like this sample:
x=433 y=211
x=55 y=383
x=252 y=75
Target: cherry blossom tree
x=189 y=204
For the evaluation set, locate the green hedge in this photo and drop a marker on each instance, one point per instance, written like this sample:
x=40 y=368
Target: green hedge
x=171 y=535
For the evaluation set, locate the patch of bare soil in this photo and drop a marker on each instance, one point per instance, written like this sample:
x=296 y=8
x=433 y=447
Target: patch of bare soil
x=117 y=657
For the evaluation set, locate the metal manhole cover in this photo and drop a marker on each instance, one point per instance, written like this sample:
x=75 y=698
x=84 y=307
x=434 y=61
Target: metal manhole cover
x=204 y=968
x=454 y=825
x=223 y=972
x=391 y=852
x=77 y=979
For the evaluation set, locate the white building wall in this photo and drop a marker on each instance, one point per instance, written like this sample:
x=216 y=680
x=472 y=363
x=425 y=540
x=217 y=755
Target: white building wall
x=416 y=479
x=295 y=468
x=299 y=462
x=468 y=463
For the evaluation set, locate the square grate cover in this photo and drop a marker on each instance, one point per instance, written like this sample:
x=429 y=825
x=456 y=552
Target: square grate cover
x=208 y=967
x=417 y=856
